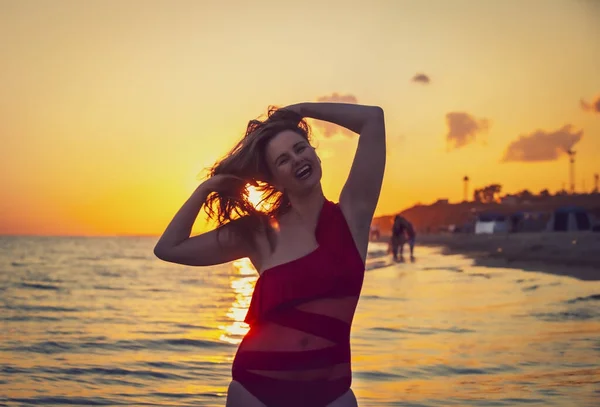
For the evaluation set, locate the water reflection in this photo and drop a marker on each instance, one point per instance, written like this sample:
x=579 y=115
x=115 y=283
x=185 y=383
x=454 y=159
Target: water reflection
x=242 y=283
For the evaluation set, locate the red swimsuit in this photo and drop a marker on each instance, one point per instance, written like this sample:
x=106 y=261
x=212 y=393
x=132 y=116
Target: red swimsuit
x=297 y=351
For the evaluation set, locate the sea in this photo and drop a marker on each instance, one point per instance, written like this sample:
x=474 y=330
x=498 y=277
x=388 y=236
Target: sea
x=99 y=321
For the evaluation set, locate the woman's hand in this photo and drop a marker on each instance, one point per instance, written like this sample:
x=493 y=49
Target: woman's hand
x=296 y=108
x=291 y=113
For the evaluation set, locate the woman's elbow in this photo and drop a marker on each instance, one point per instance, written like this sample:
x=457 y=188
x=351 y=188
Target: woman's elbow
x=375 y=115
x=161 y=252
x=376 y=112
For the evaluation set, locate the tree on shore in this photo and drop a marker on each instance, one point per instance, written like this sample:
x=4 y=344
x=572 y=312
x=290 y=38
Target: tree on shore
x=487 y=194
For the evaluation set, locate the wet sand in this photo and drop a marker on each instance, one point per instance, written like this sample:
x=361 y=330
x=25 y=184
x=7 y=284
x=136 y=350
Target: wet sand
x=575 y=254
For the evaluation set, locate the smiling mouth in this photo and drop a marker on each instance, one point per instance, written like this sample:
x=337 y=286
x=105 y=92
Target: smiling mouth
x=303 y=172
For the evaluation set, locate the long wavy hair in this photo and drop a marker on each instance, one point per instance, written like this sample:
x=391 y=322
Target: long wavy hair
x=247 y=160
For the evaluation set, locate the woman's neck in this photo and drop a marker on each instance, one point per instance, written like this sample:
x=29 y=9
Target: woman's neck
x=308 y=206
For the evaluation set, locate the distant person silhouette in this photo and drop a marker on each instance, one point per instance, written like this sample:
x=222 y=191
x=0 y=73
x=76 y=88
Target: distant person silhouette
x=402 y=232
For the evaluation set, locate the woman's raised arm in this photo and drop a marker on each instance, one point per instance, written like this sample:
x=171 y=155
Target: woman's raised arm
x=360 y=193
x=361 y=190
x=215 y=247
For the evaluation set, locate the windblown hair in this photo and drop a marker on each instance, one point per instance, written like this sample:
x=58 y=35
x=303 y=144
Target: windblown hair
x=247 y=160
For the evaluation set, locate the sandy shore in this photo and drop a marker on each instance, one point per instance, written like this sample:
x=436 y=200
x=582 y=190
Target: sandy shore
x=575 y=254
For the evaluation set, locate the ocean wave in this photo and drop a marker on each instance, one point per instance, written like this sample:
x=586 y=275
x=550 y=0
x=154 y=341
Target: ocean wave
x=581 y=314
x=41 y=308
x=377 y=375
x=423 y=331
x=382 y=298
x=30 y=318
x=195 y=281
x=107 y=288
x=484 y=275
x=157 y=290
x=450 y=370
x=131 y=257
x=165 y=365
x=593 y=297
x=16 y=370
x=56 y=347
x=110 y=371
x=524 y=280
x=37 y=286
x=44 y=347
x=191 y=326
x=67 y=401
x=107 y=273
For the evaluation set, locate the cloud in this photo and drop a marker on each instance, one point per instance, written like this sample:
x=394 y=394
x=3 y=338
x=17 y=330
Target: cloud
x=591 y=107
x=329 y=129
x=421 y=78
x=336 y=97
x=463 y=129
x=542 y=145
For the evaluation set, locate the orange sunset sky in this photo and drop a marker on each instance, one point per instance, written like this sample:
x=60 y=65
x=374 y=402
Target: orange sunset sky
x=111 y=109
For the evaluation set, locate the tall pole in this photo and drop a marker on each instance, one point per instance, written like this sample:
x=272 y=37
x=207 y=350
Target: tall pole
x=572 y=169
x=596 y=183
x=465 y=189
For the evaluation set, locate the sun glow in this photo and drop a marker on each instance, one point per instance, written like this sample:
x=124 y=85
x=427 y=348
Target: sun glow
x=255 y=197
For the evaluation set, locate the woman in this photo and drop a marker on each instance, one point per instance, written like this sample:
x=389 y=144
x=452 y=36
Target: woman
x=310 y=252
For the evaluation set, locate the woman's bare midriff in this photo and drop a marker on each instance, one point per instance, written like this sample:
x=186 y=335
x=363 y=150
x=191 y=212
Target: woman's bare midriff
x=277 y=338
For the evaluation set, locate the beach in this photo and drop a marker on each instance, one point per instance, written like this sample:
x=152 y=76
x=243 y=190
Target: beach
x=575 y=254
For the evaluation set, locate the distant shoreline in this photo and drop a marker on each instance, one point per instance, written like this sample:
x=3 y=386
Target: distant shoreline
x=574 y=254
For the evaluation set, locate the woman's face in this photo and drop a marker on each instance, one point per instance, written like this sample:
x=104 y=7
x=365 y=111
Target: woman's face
x=293 y=163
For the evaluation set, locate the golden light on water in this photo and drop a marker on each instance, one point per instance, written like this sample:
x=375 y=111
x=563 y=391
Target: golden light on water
x=242 y=285
x=243 y=282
